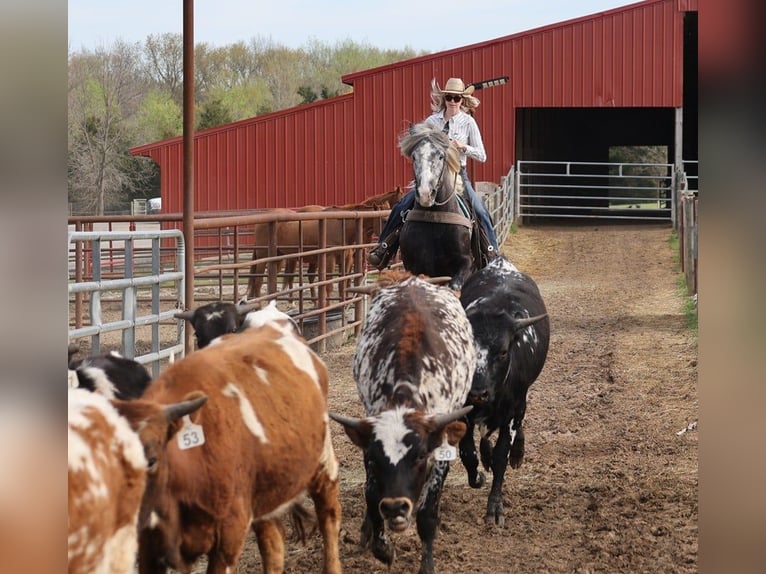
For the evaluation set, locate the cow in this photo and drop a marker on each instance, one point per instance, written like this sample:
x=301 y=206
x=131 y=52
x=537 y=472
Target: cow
x=413 y=366
x=110 y=374
x=511 y=332
x=106 y=480
x=215 y=319
x=261 y=442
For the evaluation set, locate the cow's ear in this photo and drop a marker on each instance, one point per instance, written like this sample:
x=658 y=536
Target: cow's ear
x=455 y=431
x=452 y=432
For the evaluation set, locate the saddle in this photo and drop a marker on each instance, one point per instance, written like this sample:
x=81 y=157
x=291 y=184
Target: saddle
x=479 y=240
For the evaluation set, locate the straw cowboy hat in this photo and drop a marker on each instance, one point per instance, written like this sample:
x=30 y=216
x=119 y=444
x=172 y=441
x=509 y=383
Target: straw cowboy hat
x=456 y=86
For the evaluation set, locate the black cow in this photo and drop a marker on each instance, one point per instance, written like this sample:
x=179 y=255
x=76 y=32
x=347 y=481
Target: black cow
x=413 y=367
x=109 y=374
x=511 y=333
x=215 y=319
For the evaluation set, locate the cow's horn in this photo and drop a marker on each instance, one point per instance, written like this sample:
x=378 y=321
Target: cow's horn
x=177 y=410
x=346 y=421
x=184 y=315
x=519 y=324
x=443 y=420
x=245 y=308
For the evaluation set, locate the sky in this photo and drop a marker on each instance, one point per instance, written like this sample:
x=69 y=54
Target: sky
x=384 y=24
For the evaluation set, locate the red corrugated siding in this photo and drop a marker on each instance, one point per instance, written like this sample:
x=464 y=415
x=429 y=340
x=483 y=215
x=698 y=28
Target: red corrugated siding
x=345 y=149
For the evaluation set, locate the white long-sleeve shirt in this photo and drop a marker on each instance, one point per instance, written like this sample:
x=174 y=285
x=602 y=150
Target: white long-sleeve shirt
x=463 y=128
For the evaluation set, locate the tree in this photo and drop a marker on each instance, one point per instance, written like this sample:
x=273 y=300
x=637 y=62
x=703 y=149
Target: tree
x=158 y=118
x=164 y=55
x=214 y=113
x=104 y=88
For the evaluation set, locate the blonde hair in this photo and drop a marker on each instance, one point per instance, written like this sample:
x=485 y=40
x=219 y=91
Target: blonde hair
x=438 y=104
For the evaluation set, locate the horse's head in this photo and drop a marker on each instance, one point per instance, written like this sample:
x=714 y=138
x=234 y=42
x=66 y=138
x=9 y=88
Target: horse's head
x=435 y=163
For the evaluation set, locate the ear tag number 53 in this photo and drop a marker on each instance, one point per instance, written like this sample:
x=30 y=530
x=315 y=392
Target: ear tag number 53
x=190 y=435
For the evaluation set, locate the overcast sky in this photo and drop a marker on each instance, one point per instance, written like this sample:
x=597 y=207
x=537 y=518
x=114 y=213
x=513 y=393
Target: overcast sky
x=384 y=24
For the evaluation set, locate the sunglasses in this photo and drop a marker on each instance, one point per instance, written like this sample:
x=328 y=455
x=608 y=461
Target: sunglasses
x=452 y=98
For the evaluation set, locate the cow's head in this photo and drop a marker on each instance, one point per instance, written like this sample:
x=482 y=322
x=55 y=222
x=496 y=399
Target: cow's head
x=215 y=319
x=397 y=446
x=156 y=424
x=494 y=340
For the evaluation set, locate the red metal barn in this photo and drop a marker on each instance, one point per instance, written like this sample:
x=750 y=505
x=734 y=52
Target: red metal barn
x=621 y=77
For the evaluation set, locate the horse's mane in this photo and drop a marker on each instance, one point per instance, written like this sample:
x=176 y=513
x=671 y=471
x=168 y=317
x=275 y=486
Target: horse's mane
x=421 y=132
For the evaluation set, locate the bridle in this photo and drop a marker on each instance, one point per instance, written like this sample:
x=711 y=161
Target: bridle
x=441 y=179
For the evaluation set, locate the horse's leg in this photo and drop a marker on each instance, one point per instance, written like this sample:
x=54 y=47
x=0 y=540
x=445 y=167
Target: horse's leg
x=256 y=276
x=289 y=281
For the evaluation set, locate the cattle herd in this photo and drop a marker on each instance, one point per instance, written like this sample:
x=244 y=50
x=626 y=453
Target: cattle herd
x=236 y=436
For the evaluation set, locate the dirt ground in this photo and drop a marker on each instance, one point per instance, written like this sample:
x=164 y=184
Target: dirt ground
x=607 y=485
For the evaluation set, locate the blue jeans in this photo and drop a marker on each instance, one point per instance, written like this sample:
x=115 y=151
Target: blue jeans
x=408 y=202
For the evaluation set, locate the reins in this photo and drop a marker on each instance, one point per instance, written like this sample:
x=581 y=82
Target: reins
x=454 y=189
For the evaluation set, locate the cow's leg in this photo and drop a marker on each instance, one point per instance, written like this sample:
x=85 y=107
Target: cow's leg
x=373 y=529
x=428 y=514
x=499 y=465
x=469 y=459
x=485 y=448
x=151 y=552
x=324 y=492
x=517 y=445
x=271 y=543
x=230 y=534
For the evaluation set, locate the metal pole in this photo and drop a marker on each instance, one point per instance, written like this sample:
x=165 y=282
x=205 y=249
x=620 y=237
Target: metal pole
x=188 y=139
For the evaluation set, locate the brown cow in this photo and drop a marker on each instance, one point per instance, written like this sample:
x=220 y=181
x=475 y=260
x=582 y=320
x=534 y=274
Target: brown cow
x=107 y=474
x=260 y=444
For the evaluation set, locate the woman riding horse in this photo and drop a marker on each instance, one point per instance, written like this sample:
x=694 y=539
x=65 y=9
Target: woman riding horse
x=450 y=106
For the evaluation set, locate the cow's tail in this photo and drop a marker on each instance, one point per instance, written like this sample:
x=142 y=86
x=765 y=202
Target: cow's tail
x=303 y=520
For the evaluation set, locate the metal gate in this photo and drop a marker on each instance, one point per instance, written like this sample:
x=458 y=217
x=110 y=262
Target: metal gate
x=612 y=191
x=127 y=270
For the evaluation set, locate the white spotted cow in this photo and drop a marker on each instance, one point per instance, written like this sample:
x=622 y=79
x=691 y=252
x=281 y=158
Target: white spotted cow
x=261 y=442
x=413 y=366
x=511 y=332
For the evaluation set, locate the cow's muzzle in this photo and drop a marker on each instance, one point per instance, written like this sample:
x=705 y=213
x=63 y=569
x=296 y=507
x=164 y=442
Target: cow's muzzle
x=479 y=397
x=397 y=513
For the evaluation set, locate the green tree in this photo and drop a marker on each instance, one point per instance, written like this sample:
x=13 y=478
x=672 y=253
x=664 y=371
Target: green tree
x=158 y=118
x=214 y=113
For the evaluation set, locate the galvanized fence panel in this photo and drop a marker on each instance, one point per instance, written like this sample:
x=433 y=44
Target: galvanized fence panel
x=595 y=190
x=128 y=271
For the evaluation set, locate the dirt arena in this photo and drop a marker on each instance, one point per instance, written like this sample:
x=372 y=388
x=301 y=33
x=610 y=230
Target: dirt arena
x=608 y=484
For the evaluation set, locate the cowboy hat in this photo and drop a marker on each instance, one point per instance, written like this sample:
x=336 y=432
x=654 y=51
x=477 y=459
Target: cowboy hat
x=456 y=86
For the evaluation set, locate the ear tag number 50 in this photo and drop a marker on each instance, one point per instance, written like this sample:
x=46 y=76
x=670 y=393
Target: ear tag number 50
x=445 y=452
x=190 y=435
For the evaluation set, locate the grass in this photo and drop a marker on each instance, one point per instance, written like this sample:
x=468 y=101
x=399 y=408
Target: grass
x=689 y=303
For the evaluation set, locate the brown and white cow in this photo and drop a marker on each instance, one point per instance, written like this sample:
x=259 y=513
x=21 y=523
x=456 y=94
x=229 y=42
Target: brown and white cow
x=261 y=442
x=107 y=475
x=413 y=366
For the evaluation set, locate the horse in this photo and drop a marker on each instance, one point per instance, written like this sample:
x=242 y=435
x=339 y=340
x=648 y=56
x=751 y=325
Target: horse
x=296 y=236
x=435 y=239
